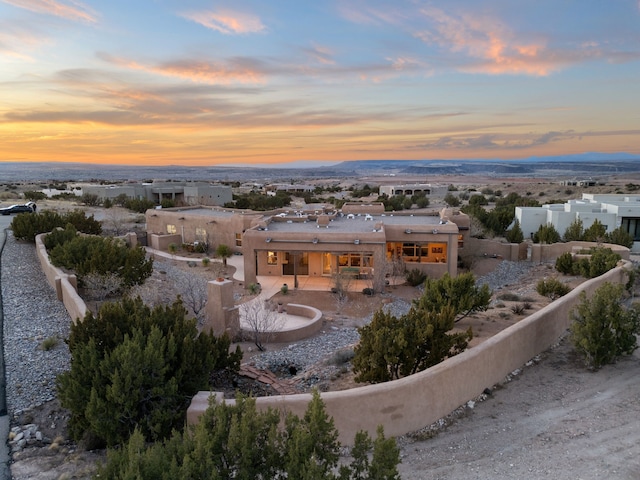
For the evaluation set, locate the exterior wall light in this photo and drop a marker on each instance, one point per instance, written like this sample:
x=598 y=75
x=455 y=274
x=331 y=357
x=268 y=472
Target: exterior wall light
x=268 y=240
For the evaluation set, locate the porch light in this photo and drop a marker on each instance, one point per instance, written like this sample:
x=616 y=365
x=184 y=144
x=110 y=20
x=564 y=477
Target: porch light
x=315 y=240
x=408 y=230
x=268 y=240
x=356 y=242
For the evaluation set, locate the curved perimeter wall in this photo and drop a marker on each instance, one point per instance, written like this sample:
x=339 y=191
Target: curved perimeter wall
x=63 y=283
x=414 y=402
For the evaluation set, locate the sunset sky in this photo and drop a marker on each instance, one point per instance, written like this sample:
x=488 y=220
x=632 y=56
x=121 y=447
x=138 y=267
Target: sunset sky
x=195 y=82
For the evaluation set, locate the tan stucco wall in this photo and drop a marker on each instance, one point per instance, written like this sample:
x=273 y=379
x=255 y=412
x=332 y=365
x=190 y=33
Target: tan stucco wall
x=486 y=247
x=63 y=283
x=548 y=253
x=293 y=335
x=419 y=400
x=219 y=229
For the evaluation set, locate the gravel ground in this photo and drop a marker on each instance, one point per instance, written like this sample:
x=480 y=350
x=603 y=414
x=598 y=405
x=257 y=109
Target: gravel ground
x=31 y=370
x=308 y=352
x=32 y=314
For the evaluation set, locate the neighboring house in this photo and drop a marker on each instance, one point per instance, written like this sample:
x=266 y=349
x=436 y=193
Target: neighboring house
x=413 y=189
x=318 y=240
x=612 y=210
x=183 y=193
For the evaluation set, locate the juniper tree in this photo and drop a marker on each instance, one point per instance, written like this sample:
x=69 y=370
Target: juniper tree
x=602 y=329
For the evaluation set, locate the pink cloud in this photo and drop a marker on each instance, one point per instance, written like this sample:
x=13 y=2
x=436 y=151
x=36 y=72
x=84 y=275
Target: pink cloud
x=233 y=71
x=227 y=22
x=76 y=12
x=494 y=47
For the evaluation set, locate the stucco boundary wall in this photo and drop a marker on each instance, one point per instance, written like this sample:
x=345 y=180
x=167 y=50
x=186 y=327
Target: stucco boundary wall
x=491 y=248
x=64 y=284
x=541 y=253
x=414 y=402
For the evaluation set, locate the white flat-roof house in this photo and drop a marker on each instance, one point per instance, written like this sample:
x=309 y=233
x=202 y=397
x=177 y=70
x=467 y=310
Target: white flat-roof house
x=612 y=210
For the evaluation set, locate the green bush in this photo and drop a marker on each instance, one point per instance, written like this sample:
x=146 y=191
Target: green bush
x=620 y=236
x=26 y=227
x=552 y=288
x=91 y=254
x=415 y=277
x=136 y=367
x=34 y=196
x=238 y=441
x=90 y=199
x=515 y=235
x=546 y=234
x=565 y=263
x=138 y=205
x=602 y=329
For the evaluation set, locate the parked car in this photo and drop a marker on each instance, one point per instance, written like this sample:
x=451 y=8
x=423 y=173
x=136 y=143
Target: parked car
x=29 y=207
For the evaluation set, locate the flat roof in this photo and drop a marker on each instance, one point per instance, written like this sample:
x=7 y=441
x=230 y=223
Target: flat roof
x=355 y=224
x=205 y=212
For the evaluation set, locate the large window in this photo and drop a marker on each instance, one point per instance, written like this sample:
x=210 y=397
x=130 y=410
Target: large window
x=272 y=258
x=238 y=239
x=172 y=229
x=355 y=260
x=201 y=235
x=632 y=226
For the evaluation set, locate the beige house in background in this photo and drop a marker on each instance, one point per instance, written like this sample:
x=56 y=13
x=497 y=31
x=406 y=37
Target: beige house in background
x=318 y=240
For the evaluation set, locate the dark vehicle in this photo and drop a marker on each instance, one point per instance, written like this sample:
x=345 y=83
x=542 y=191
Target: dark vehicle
x=29 y=207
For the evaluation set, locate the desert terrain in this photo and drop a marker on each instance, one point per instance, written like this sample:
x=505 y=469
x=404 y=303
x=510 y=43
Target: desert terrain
x=551 y=419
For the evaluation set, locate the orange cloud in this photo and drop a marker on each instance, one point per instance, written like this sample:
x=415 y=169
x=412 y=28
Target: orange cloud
x=75 y=12
x=237 y=70
x=492 y=45
x=227 y=22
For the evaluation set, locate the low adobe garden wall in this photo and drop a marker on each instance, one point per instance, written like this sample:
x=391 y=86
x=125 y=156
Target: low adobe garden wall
x=413 y=402
x=63 y=283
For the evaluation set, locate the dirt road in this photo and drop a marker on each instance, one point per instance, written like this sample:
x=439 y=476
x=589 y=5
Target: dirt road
x=553 y=420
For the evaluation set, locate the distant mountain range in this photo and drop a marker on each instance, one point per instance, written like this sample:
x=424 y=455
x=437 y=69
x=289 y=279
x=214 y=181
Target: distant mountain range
x=585 y=165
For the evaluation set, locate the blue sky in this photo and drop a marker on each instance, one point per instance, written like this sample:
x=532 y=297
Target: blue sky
x=207 y=82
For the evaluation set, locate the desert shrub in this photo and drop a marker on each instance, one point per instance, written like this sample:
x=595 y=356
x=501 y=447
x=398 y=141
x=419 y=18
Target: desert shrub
x=58 y=236
x=49 y=343
x=515 y=235
x=139 y=205
x=596 y=232
x=206 y=261
x=602 y=329
x=393 y=347
x=546 y=234
x=34 y=196
x=415 y=277
x=460 y=292
x=90 y=199
x=574 y=232
x=254 y=288
x=26 y=227
x=565 y=263
x=132 y=366
x=518 y=309
x=601 y=260
x=509 y=297
x=342 y=356
x=620 y=236
x=238 y=441
x=91 y=254
x=552 y=288
x=527 y=305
